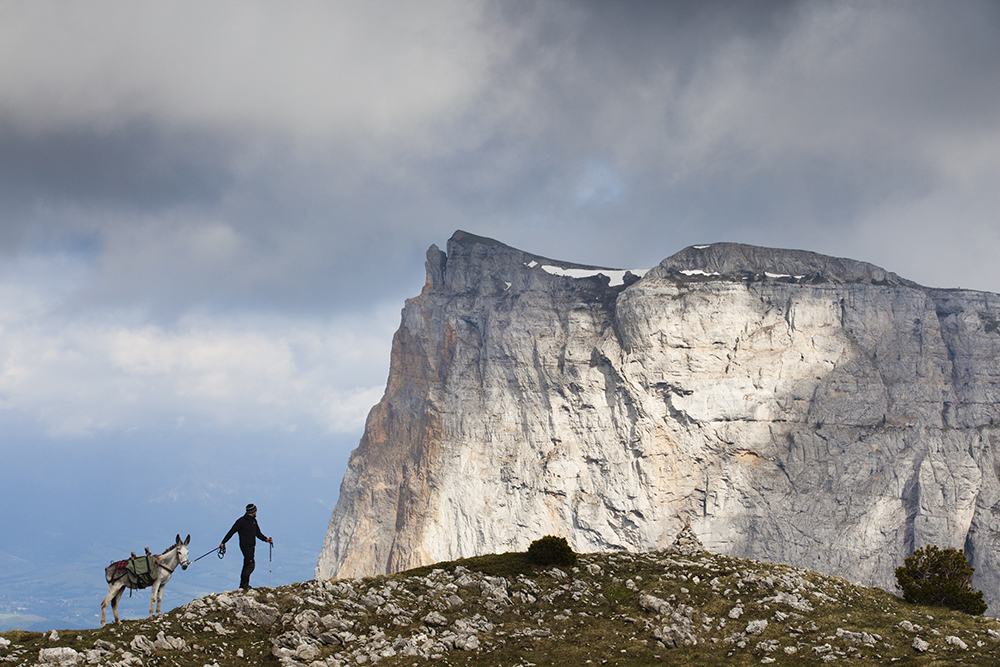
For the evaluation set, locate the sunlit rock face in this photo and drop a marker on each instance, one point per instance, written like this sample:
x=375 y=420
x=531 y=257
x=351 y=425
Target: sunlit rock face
x=792 y=407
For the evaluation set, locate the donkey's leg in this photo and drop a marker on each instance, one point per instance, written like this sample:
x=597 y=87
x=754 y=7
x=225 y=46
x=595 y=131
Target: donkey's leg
x=152 y=597
x=114 y=602
x=107 y=600
x=161 y=583
x=114 y=588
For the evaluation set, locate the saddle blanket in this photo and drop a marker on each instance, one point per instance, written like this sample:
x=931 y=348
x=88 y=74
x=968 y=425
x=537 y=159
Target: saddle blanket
x=141 y=571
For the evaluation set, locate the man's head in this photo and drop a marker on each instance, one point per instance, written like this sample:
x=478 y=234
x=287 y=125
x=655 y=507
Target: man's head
x=252 y=509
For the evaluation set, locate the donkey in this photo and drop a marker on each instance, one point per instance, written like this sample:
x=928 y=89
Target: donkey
x=167 y=562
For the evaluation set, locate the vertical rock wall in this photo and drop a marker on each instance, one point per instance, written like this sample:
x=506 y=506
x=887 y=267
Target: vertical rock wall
x=793 y=407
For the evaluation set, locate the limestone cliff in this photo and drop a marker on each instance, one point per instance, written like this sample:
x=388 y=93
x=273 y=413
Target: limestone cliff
x=792 y=407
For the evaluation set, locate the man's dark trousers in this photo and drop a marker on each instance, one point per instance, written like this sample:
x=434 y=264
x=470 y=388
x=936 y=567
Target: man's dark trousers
x=248 y=567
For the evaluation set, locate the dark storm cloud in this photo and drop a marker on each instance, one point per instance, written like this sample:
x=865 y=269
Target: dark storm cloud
x=136 y=167
x=284 y=237
x=296 y=160
x=777 y=123
x=676 y=122
x=229 y=155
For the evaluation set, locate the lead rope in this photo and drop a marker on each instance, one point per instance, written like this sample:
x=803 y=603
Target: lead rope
x=270 y=557
x=221 y=550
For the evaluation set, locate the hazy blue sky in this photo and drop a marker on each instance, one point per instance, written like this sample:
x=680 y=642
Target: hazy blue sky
x=211 y=212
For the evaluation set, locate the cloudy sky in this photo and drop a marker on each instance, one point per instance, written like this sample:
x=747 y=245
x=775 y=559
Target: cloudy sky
x=211 y=212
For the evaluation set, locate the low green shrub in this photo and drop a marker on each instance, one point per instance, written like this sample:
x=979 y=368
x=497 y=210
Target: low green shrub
x=551 y=550
x=940 y=577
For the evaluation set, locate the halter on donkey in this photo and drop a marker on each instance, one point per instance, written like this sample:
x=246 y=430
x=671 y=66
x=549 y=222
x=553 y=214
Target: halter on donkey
x=167 y=562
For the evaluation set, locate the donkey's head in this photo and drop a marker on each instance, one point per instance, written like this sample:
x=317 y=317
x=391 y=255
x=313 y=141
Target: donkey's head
x=182 y=551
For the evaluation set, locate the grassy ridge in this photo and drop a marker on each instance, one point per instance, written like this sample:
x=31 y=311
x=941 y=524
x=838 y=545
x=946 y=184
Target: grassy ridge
x=611 y=609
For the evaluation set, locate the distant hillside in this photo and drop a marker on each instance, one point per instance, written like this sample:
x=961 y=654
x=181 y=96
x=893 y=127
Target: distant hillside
x=672 y=607
x=23 y=622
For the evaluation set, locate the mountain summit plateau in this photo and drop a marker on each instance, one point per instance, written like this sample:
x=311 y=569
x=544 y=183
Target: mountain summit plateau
x=788 y=406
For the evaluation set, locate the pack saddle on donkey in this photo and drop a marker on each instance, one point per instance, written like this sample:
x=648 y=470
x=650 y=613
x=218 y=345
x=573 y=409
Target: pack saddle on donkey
x=140 y=572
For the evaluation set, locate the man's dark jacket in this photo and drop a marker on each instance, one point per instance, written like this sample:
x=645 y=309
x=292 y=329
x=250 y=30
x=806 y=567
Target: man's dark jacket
x=249 y=531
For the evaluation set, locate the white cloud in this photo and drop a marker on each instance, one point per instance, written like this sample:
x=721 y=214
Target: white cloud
x=112 y=372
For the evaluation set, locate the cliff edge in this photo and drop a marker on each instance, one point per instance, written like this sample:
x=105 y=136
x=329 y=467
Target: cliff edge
x=793 y=407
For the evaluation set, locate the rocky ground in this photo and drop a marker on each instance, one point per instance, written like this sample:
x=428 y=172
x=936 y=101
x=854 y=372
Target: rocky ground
x=679 y=606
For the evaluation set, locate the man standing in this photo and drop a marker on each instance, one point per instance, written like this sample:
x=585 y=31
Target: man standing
x=249 y=531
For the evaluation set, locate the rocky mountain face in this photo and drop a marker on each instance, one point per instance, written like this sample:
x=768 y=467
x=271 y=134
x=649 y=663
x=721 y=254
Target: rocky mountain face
x=791 y=407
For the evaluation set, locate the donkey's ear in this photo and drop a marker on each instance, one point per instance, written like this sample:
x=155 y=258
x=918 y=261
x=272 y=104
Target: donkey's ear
x=178 y=538
x=187 y=541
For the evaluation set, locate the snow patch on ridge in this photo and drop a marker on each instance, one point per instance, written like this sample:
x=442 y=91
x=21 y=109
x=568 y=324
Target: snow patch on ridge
x=782 y=275
x=617 y=277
